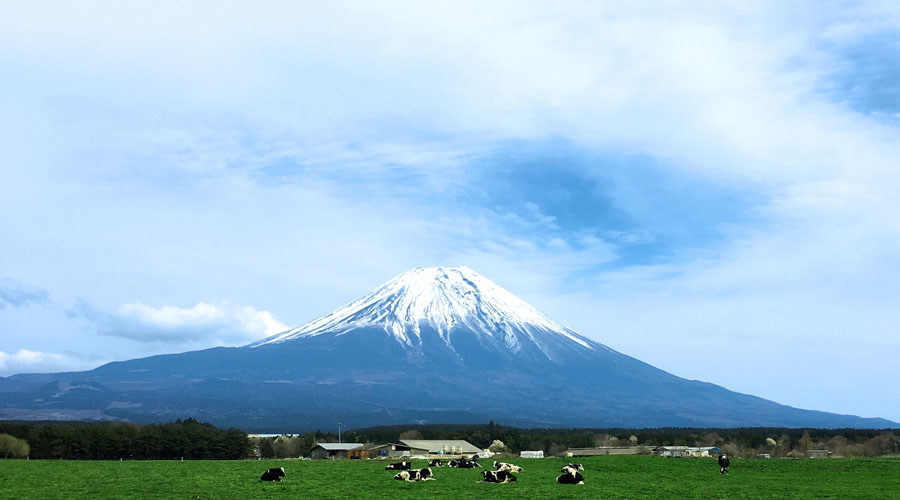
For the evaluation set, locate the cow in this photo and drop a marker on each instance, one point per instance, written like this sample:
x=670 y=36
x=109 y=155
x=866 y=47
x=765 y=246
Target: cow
x=498 y=476
x=414 y=475
x=463 y=463
x=570 y=476
x=399 y=466
x=723 y=464
x=273 y=474
x=437 y=462
x=574 y=466
x=506 y=467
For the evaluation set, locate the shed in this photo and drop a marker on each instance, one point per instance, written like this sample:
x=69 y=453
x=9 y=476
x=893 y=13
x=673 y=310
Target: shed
x=364 y=451
x=440 y=446
x=332 y=450
x=389 y=450
x=605 y=450
x=705 y=451
x=532 y=454
x=817 y=453
x=673 y=451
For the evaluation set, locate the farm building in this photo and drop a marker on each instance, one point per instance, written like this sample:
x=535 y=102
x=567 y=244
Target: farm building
x=363 y=452
x=439 y=447
x=264 y=436
x=606 y=450
x=673 y=451
x=389 y=450
x=817 y=453
x=332 y=450
x=687 y=451
x=705 y=451
x=532 y=454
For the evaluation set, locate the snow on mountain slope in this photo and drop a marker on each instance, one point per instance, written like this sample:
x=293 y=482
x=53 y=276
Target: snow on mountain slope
x=448 y=300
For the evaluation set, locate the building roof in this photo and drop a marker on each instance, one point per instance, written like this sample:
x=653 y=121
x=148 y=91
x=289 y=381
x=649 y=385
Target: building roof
x=438 y=445
x=338 y=446
x=604 y=450
x=375 y=446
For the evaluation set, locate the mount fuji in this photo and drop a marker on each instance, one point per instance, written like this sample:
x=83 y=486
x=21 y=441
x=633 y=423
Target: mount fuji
x=433 y=345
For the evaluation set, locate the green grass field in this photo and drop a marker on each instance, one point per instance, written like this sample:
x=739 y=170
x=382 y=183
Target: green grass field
x=619 y=477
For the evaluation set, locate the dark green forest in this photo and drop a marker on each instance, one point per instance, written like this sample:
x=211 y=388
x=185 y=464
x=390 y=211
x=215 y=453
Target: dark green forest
x=188 y=439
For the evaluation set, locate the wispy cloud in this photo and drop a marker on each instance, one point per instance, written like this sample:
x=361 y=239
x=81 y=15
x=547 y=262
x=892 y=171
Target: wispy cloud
x=15 y=294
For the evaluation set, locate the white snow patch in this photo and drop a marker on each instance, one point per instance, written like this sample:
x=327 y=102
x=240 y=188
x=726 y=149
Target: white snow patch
x=444 y=298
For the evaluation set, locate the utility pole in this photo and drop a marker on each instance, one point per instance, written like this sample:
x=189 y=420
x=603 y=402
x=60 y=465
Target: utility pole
x=339 y=431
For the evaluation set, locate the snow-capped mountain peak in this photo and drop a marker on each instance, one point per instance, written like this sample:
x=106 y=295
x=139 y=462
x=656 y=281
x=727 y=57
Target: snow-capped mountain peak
x=447 y=300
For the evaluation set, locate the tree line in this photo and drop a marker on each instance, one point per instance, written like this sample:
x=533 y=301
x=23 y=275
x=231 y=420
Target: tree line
x=738 y=442
x=191 y=439
x=188 y=439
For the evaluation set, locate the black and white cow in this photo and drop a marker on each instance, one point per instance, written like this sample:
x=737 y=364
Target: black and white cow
x=574 y=466
x=723 y=464
x=463 y=463
x=570 y=476
x=273 y=474
x=498 y=476
x=414 y=475
x=399 y=466
x=437 y=462
x=506 y=467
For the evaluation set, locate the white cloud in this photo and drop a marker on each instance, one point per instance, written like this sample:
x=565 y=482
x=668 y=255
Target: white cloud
x=204 y=324
x=29 y=361
x=378 y=109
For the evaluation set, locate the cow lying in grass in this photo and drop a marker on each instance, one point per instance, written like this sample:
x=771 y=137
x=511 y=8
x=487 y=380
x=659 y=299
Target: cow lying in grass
x=570 y=476
x=399 y=466
x=274 y=474
x=436 y=463
x=498 y=476
x=574 y=466
x=463 y=463
x=506 y=467
x=414 y=475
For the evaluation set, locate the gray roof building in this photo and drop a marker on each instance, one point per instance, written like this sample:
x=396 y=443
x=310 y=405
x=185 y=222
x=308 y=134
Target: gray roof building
x=332 y=450
x=441 y=446
x=338 y=446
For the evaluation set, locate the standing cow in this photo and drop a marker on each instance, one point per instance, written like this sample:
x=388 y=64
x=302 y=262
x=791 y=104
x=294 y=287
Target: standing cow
x=723 y=464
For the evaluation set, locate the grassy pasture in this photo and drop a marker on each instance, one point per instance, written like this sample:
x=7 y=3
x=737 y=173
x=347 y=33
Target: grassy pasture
x=617 y=477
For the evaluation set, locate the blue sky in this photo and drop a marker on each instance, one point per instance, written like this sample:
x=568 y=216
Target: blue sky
x=708 y=187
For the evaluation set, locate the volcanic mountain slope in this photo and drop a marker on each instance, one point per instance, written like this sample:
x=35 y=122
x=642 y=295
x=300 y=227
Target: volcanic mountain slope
x=432 y=345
